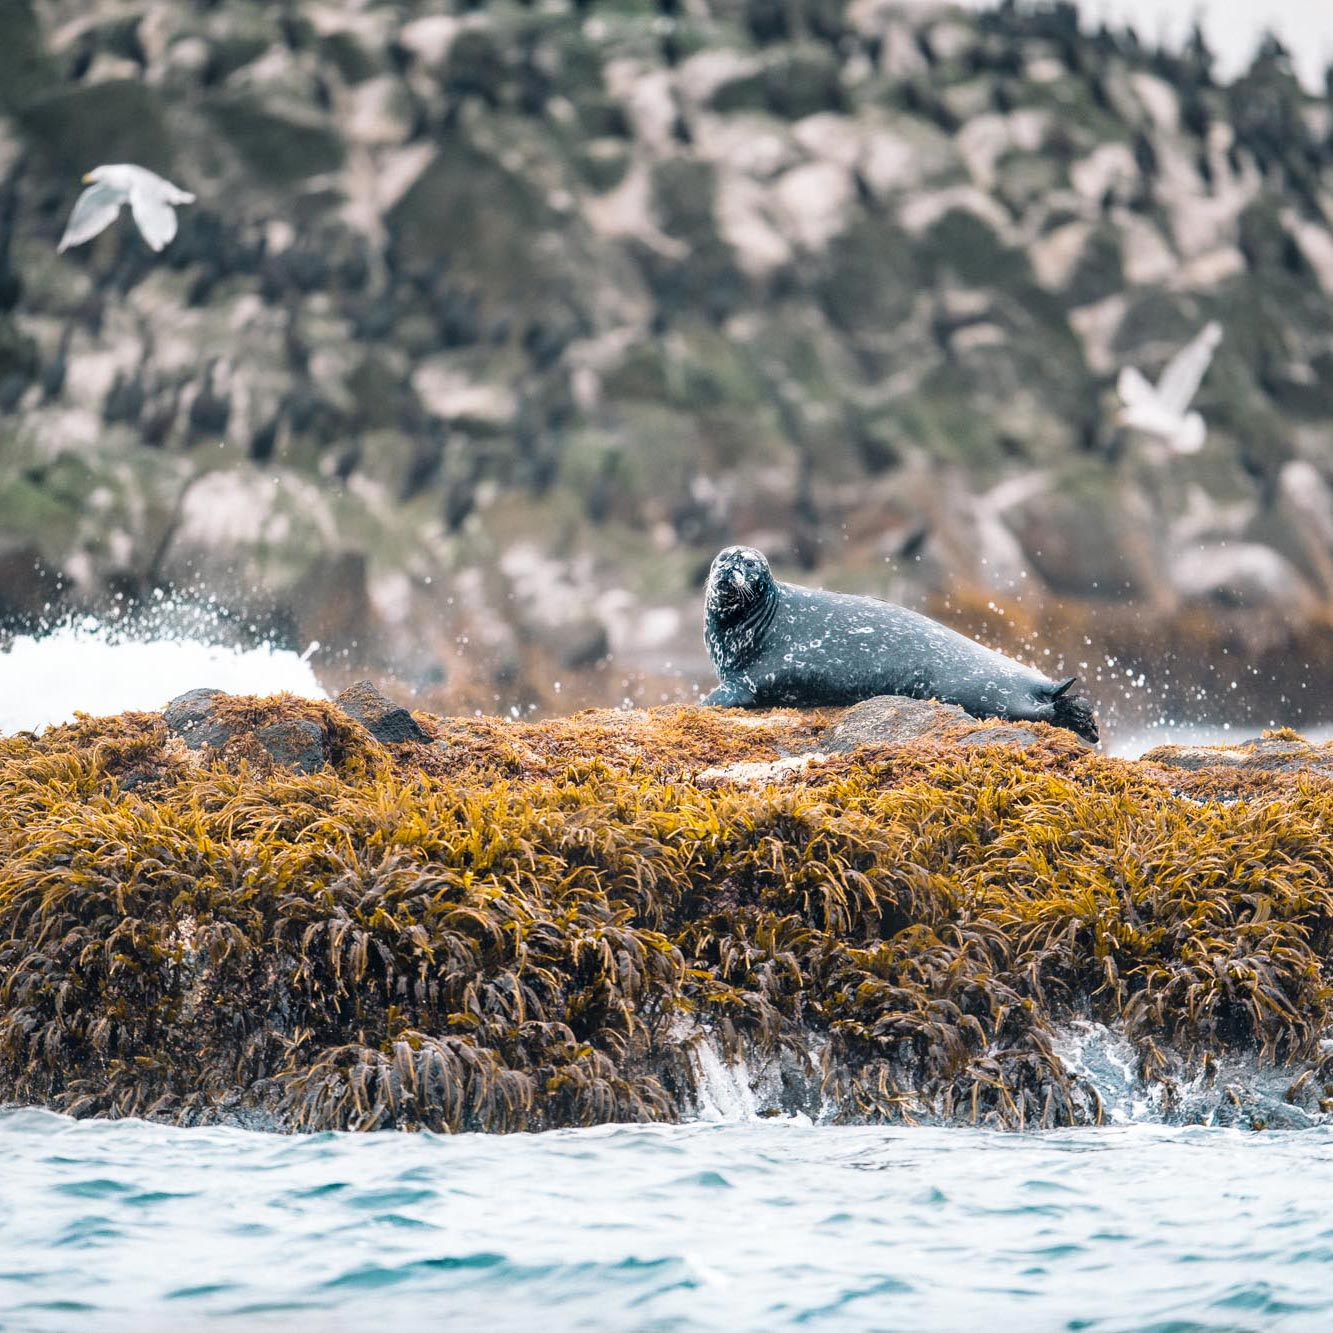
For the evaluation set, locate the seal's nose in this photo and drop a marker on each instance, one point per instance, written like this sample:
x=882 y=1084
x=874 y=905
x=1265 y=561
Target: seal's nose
x=738 y=577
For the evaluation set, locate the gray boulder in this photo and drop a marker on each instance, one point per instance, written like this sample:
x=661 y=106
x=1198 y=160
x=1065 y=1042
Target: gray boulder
x=1273 y=752
x=192 y=717
x=387 y=721
x=296 y=743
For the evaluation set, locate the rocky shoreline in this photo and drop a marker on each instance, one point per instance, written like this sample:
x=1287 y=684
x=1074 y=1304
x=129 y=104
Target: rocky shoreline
x=344 y=915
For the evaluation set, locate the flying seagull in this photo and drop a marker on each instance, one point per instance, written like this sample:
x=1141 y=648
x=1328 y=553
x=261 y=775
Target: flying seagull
x=149 y=196
x=1162 y=410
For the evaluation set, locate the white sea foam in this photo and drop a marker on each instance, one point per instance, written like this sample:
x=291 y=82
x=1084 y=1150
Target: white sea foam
x=1233 y=1089
x=89 y=668
x=722 y=1087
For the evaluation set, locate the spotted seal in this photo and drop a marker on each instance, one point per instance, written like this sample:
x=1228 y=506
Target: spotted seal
x=777 y=643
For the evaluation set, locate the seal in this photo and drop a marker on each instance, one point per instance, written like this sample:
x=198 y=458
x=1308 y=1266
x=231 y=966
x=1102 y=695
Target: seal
x=779 y=644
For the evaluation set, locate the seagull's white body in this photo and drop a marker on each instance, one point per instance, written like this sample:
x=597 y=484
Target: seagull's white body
x=151 y=200
x=1161 y=409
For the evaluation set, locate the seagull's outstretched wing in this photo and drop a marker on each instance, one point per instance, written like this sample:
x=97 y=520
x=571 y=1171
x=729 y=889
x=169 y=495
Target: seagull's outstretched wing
x=94 y=211
x=1134 y=390
x=1185 y=371
x=155 y=218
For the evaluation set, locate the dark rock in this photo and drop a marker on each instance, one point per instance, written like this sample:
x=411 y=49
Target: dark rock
x=120 y=120
x=354 y=62
x=291 y=742
x=19 y=356
x=1099 y=272
x=26 y=70
x=803 y=81
x=295 y=743
x=210 y=411
x=124 y=400
x=744 y=92
x=278 y=150
x=465 y=202
x=27 y=587
x=229 y=53
x=331 y=603
x=385 y=720
x=475 y=66
x=191 y=717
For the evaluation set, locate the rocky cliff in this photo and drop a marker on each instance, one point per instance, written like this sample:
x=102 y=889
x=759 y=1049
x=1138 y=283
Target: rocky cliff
x=491 y=325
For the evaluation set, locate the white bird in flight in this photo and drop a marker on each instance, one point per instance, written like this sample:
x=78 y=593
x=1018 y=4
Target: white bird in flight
x=1161 y=409
x=150 y=198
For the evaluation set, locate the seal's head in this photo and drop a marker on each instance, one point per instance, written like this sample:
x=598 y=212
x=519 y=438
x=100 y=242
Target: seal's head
x=739 y=581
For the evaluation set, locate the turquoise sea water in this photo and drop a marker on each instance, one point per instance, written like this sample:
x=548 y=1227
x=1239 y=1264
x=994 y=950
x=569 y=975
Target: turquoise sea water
x=757 y=1225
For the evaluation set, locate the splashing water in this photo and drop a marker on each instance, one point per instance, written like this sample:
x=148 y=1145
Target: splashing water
x=723 y=1087
x=91 y=667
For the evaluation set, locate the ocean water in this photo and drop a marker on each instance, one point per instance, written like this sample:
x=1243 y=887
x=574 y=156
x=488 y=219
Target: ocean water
x=754 y=1225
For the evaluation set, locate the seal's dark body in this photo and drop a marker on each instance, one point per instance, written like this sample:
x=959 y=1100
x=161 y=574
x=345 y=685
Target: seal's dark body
x=779 y=644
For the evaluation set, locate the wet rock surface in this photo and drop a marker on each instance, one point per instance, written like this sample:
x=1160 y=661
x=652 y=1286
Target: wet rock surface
x=193 y=717
x=1274 y=752
x=387 y=721
x=208 y=721
x=294 y=743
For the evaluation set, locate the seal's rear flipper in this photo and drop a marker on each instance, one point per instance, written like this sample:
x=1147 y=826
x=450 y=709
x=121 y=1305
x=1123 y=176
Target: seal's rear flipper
x=1072 y=712
x=729 y=695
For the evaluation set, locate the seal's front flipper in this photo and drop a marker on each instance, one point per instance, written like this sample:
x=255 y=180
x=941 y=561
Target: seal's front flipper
x=1072 y=712
x=730 y=695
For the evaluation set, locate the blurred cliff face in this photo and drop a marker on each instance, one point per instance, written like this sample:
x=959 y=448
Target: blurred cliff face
x=489 y=328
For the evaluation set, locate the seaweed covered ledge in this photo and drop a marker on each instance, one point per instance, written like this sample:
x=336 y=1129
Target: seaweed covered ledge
x=304 y=916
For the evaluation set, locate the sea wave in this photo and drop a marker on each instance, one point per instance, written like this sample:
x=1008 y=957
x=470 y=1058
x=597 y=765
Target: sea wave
x=92 y=666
